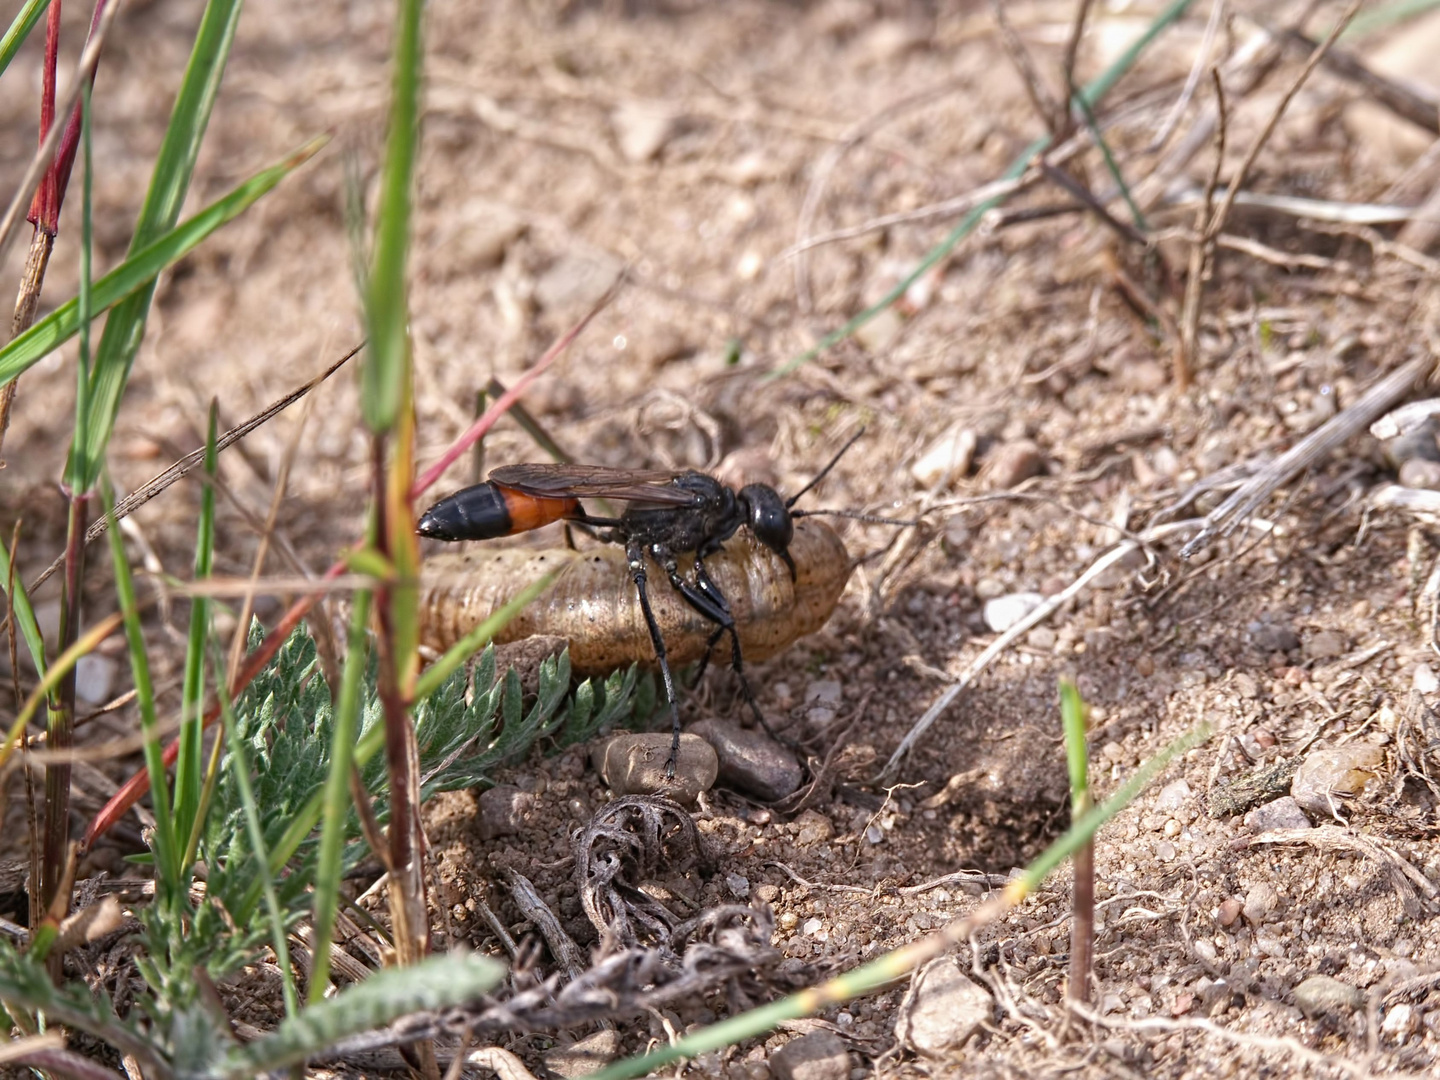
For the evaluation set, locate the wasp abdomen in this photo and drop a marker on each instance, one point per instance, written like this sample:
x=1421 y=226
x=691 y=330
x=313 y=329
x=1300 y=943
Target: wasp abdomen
x=594 y=606
x=486 y=511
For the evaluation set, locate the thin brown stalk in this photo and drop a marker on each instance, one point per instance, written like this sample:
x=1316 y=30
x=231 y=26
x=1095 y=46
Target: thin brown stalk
x=1202 y=251
x=42 y=243
x=61 y=731
x=1066 y=120
x=1217 y=220
x=32 y=817
x=1051 y=113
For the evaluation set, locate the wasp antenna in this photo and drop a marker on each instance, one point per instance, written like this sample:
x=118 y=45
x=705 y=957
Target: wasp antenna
x=821 y=474
x=857 y=516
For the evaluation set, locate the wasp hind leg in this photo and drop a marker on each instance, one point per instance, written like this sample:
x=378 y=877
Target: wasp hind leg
x=635 y=556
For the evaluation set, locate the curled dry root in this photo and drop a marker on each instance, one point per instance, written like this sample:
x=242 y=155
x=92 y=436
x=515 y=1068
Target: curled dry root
x=625 y=846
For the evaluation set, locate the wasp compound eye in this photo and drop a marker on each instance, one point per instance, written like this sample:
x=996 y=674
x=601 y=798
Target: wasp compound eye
x=770 y=519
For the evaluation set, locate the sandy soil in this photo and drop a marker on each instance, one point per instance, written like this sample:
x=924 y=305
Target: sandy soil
x=564 y=142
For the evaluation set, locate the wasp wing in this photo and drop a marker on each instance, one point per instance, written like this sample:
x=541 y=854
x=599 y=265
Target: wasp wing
x=560 y=481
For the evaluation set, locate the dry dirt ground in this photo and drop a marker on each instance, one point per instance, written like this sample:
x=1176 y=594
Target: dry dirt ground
x=695 y=143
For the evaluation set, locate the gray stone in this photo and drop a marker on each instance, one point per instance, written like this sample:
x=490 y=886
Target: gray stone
x=1320 y=994
x=1274 y=637
x=1005 y=611
x=1326 y=778
x=751 y=761
x=1011 y=464
x=502 y=810
x=1282 y=813
x=942 y=1008
x=820 y=1055
x=586 y=1056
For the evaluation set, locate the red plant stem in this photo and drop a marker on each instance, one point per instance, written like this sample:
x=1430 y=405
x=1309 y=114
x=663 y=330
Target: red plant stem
x=502 y=404
x=61 y=729
x=50 y=195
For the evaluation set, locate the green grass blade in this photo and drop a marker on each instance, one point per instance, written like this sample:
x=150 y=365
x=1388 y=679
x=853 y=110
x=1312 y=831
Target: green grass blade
x=20 y=27
x=1092 y=94
x=1072 y=719
x=386 y=308
x=189 y=768
x=441 y=982
x=337 y=797
x=169 y=181
x=167 y=857
x=886 y=969
x=62 y=324
x=21 y=610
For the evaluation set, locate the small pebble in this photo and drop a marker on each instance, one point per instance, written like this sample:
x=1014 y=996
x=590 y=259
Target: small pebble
x=94 y=676
x=988 y=588
x=826 y=692
x=1173 y=796
x=812 y=827
x=1320 y=994
x=1165 y=851
x=1282 y=813
x=1274 y=637
x=634 y=764
x=1005 y=611
x=1011 y=464
x=751 y=761
x=1229 y=912
x=947 y=459
x=576 y=280
x=1400 y=1021
x=1419 y=473
x=878 y=334
x=1260 y=901
x=641 y=129
x=1325 y=645
x=942 y=1009
x=874 y=835
x=738 y=884
x=821 y=1055
x=1328 y=777
x=1424 y=680
x=502 y=809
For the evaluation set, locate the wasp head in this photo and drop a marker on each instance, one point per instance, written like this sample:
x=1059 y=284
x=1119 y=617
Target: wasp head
x=769 y=519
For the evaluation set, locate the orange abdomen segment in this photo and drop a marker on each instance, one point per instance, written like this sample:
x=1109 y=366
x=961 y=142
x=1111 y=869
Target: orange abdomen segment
x=531 y=512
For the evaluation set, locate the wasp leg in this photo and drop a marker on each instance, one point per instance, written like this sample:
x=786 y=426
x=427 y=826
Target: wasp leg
x=706 y=598
x=635 y=556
